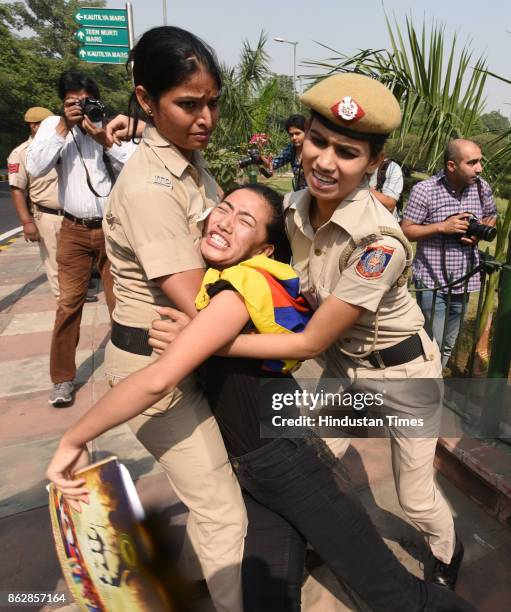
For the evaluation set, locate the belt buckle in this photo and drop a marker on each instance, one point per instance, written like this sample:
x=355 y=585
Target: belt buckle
x=91 y=221
x=379 y=359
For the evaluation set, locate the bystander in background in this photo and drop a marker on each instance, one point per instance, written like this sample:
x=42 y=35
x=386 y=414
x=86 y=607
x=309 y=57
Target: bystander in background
x=291 y=153
x=386 y=184
x=437 y=218
x=36 y=199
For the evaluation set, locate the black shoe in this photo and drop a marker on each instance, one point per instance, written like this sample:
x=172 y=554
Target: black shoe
x=446 y=574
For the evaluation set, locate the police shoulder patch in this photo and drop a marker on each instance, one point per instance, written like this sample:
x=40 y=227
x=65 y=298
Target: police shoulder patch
x=373 y=261
x=13 y=168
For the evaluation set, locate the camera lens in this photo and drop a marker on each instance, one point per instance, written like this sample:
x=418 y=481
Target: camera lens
x=94 y=113
x=481 y=231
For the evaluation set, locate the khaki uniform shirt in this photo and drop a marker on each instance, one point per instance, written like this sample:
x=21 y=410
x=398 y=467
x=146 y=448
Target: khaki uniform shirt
x=42 y=190
x=151 y=226
x=316 y=260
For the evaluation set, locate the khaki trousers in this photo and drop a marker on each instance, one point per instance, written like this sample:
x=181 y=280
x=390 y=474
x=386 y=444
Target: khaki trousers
x=413 y=390
x=48 y=227
x=183 y=436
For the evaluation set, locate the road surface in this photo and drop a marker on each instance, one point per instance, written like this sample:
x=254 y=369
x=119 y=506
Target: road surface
x=8 y=217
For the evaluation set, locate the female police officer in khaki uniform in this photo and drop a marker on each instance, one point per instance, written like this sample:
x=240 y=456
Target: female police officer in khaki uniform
x=353 y=260
x=153 y=247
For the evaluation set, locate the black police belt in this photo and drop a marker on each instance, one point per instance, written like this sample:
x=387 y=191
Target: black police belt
x=89 y=222
x=131 y=339
x=136 y=340
x=48 y=210
x=402 y=352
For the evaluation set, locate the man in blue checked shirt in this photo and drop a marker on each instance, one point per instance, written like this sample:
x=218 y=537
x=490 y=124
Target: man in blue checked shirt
x=292 y=153
x=436 y=217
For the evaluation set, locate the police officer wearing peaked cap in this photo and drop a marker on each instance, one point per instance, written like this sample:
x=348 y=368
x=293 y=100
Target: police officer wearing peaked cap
x=36 y=199
x=346 y=244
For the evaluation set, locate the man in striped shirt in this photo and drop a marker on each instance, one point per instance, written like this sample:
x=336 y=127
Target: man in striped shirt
x=86 y=163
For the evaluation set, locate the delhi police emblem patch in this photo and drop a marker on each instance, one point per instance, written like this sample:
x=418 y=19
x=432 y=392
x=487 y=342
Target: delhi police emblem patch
x=373 y=262
x=348 y=109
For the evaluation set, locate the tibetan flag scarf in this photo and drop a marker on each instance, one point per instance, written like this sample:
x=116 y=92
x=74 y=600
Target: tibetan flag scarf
x=270 y=290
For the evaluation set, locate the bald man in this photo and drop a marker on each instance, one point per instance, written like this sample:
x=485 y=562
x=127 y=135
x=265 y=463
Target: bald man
x=437 y=218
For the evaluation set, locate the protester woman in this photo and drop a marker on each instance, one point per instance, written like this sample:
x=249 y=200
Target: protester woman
x=152 y=243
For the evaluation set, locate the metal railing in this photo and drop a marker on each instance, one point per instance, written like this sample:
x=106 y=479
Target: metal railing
x=487 y=266
x=492 y=393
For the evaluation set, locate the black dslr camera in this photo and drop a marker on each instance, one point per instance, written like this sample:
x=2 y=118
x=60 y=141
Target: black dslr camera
x=92 y=108
x=254 y=158
x=479 y=230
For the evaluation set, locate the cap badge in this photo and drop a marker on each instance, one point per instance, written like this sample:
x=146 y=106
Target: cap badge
x=347 y=109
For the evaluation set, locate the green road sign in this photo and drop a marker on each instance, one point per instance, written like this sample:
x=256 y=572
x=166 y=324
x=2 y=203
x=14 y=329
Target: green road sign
x=103 y=55
x=107 y=18
x=102 y=36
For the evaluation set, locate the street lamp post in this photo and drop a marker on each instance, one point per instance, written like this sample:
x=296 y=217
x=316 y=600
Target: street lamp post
x=164 y=12
x=294 y=43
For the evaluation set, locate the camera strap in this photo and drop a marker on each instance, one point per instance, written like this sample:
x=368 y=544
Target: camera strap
x=108 y=165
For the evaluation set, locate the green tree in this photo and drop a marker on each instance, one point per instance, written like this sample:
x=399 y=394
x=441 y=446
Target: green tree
x=495 y=122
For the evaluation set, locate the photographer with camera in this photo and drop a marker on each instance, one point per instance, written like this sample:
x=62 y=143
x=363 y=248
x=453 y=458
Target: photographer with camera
x=291 y=153
x=447 y=215
x=77 y=146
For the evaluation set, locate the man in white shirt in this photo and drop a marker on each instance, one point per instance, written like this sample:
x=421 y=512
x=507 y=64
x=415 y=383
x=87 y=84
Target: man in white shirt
x=386 y=184
x=86 y=163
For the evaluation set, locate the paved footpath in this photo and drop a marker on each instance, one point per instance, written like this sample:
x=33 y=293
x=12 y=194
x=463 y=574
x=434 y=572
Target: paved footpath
x=30 y=429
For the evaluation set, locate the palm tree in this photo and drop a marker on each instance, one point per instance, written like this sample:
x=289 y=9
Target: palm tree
x=440 y=99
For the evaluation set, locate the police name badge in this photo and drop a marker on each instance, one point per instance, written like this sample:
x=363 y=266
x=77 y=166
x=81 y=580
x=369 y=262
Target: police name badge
x=373 y=261
x=348 y=109
x=162 y=180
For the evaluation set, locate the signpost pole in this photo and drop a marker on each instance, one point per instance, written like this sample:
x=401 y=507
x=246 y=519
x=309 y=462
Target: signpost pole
x=131 y=35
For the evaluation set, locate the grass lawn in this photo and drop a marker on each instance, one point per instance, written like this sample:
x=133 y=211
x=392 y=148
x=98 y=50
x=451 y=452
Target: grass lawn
x=282 y=184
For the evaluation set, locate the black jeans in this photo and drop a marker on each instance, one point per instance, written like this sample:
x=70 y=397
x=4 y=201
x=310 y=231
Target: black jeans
x=273 y=561
x=299 y=481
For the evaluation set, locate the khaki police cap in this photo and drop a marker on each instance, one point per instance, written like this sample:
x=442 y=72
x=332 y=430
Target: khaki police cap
x=354 y=104
x=36 y=114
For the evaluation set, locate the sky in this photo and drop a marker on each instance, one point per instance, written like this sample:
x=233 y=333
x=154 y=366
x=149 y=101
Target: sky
x=343 y=25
